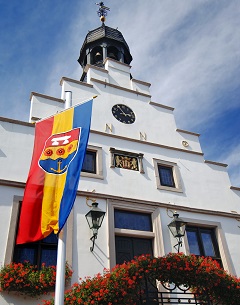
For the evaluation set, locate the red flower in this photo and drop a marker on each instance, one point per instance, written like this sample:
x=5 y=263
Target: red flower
x=27 y=280
x=122 y=284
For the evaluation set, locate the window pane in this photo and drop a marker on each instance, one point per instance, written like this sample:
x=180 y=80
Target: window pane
x=128 y=247
x=193 y=243
x=89 y=164
x=132 y=220
x=208 y=244
x=166 y=176
x=24 y=254
x=51 y=239
x=49 y=257
x=44 y=250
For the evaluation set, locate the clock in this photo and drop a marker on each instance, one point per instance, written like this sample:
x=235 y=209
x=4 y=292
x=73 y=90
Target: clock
x=123 y=114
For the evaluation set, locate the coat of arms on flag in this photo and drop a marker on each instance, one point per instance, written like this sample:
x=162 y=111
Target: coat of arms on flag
x=59 y=151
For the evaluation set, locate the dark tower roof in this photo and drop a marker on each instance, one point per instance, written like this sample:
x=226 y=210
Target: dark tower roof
x=104 y=31
x=106 y=37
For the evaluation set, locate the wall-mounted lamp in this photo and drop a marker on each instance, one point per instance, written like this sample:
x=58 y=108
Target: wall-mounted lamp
x=94 y=218
x=177 y=227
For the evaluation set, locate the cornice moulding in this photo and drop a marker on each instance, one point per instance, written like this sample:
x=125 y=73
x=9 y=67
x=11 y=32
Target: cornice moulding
x=235 y=188
x=17 y=122
x=66 y=79
x=132 y=200
x=88 y=66
x=46 y=97
x=216 y=163
x=188 y=132
x=119 y=87
x=116 y=61
x=146 y=142
x=161 y=106
x=141 y=82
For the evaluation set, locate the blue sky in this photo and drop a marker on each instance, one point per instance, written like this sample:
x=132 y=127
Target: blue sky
x=189 y=50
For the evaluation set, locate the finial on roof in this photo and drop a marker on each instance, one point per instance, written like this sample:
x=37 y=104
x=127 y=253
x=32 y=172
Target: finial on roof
x=102 y=12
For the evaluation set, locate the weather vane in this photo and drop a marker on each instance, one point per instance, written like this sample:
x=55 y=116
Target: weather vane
x=102 y=12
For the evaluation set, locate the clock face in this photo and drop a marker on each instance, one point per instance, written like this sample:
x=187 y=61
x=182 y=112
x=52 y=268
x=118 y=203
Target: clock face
x=123 y=114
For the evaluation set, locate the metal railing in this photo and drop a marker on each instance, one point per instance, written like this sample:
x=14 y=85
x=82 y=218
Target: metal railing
x=165 y=294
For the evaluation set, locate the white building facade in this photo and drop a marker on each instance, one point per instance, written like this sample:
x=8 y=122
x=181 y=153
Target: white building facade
x=140 y=168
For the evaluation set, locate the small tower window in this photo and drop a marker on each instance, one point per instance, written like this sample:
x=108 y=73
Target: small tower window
x=112 y=52
x=97 y=56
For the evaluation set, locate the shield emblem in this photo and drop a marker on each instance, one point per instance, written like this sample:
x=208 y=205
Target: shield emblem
x=59 y=151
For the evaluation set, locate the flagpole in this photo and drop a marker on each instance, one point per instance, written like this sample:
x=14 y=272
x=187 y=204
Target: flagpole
x=61 y=261
x=62 y=237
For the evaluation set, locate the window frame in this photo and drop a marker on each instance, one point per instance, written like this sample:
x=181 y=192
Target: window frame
x=132 y=213
x=170 y=172
x=37 y=247
x=220 y=237
x=94 y=154
x=13 y=231
x=199 y=230
x=156 y=234
x=99 y=163
x=175 y=175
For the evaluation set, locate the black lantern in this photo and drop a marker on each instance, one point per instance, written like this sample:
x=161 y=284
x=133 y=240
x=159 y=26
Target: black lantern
x=94 y=218
x=177 y=227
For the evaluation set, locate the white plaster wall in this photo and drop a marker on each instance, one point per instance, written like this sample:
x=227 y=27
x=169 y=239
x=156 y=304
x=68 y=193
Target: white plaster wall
x=15 y=150
x=80 y=93
x=85 y=262
x=97 y=73
x=119 y=77
x=159 y=126
x=157 y=123
x=6 y=201
x=43 y=107
x=204 y=185
x=119 y=74
x=140 y=87
x=192 y=140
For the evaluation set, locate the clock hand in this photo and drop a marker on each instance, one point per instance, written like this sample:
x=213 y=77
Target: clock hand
x=122 y=110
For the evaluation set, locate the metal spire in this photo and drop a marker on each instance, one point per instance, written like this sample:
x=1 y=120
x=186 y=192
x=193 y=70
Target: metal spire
x=102 y=12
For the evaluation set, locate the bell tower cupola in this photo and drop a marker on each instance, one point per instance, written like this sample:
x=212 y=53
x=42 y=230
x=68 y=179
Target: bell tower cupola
x=103 y=42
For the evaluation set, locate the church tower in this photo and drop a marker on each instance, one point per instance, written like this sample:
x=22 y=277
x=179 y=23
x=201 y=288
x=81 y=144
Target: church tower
x=102 y=43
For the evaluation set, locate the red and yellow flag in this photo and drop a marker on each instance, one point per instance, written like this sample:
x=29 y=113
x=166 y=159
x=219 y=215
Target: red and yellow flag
x=59 y=150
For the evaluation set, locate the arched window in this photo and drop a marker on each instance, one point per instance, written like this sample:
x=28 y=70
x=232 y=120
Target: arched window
x=96 y=56
x=112 y=52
